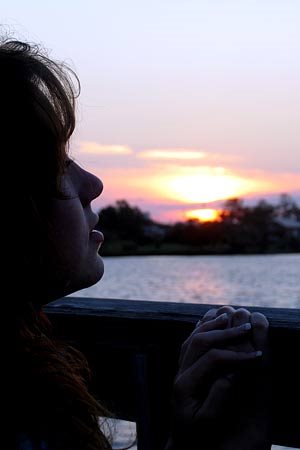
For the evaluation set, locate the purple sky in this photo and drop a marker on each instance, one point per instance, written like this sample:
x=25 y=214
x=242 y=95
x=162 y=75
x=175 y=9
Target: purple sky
x=182 y=101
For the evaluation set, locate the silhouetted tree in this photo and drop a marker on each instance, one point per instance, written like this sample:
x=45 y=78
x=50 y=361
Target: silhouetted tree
x=257 y=224
x=234 y=211
x=241 y=229
x=287 y=207
x=124 y=221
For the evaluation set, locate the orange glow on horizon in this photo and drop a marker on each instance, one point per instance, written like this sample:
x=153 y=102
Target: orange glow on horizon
x=172 y=154
x=183 y=188
x=208 y=184
x=203 y=215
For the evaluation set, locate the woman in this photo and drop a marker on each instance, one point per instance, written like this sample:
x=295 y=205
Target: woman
x=58 y=252
x=59 y=255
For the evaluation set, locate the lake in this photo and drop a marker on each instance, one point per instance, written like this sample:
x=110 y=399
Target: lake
x=258 y=280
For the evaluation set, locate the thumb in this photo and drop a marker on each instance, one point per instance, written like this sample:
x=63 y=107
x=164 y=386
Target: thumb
x=260 y=330
x=219 y=399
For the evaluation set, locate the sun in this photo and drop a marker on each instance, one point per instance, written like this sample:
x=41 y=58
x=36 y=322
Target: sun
x=203 y=215
x=206 y=185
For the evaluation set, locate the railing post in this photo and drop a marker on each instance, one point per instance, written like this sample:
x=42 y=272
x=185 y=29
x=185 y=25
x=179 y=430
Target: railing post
x=143 y=402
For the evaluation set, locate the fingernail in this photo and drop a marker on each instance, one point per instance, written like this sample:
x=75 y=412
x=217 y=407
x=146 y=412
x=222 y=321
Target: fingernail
x=223 y=316
x=246 y=326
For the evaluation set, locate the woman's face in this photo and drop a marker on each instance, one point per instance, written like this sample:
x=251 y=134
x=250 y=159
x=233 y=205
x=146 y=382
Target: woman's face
x=76 y=263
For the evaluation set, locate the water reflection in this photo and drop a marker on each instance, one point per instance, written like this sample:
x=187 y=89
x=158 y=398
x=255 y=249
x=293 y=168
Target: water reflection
x=266 y=280
x=125 y=436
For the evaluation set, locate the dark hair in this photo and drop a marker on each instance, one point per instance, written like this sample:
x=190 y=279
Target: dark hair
x=53 y=402
x=36 y=121
x=37 y=102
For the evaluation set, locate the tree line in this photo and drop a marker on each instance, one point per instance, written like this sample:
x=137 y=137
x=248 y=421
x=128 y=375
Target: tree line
x=241 y=229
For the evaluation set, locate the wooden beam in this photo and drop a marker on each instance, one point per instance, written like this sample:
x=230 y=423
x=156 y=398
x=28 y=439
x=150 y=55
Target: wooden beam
x=125 y=340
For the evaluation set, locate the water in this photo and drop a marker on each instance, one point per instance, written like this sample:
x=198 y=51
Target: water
x=258 y=280
x=125 y=433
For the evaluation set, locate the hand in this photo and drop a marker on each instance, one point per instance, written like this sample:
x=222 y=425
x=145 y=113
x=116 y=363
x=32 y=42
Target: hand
x=250 y=404
x=201 y=386
x=218 y=404
x=251 y=401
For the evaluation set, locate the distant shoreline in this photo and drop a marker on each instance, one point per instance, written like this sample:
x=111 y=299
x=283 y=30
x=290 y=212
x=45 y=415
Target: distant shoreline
x=191 y=252
x=242 y=230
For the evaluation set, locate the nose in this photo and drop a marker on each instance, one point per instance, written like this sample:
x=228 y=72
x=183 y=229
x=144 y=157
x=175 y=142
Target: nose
x=97 y=187
x=90 y=188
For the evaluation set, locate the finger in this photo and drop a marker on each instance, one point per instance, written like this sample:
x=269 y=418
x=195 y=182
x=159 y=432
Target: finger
x=201 y=342
x=218 y=401
x=218 y=336
x=240 y=317
x=183 y=351
x=229 y=310
x=209 y=315
x=260 y=340
x=207 y=366
x=182 y=354
x=220 y=322
x=215 y=312
x=260 y=327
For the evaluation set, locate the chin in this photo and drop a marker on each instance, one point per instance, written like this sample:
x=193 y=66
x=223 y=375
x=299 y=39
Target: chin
x=78 y=281
x=97 y=274
x=93 y=276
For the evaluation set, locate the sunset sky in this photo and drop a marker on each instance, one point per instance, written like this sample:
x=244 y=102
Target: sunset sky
x=183 y=103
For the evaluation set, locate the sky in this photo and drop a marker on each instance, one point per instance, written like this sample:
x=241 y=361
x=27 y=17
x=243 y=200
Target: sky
x=183 y=103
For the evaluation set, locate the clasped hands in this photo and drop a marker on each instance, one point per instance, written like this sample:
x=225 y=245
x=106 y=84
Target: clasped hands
x=221 y=395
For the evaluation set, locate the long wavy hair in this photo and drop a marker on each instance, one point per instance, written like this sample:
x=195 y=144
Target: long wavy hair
x=37 y=119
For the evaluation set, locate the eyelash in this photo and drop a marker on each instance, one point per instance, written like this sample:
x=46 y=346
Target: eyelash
x=68 y=162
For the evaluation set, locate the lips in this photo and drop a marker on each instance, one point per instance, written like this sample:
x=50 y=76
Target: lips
x=95 y=222
x=97 y=236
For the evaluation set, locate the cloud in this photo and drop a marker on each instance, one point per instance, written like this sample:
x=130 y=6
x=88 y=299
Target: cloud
x=168 y=192
x=187 y=178
x=188 y=157
x=176 y=153
x=93 y=148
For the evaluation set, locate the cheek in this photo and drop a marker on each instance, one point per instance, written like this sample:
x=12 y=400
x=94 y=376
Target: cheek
x=71 y=232
x=74 y=244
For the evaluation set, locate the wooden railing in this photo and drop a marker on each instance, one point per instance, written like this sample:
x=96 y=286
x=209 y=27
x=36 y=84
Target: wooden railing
x=133 y=349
